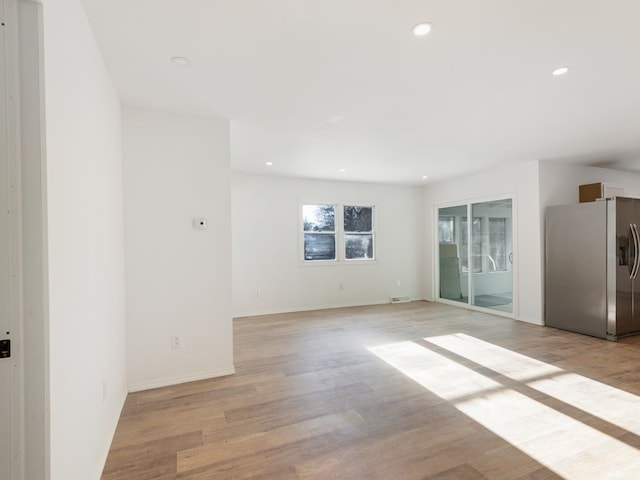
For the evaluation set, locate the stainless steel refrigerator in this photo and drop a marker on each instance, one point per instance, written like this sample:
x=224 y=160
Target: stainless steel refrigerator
x=592 y=260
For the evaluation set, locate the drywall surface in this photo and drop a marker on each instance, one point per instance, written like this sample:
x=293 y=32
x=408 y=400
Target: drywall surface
x=86 y=251
x=520 y=182
x=269 y=275
x=178 y=278
x=559 y=182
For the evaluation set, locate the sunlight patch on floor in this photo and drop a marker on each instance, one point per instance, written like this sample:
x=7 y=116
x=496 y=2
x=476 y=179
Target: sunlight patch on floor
x=510 y=364
x=598 y=399
x=563 y=444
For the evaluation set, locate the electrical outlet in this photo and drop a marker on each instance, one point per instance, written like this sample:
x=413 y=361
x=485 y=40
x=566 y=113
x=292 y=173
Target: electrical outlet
x=200 y=223
x=257 y=292
x=176 y=340
x=397 y=283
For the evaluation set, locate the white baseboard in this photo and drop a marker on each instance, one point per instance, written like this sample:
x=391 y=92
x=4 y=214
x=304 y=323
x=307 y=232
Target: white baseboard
x=165 y=382
x=308 y=308
x=532 y=321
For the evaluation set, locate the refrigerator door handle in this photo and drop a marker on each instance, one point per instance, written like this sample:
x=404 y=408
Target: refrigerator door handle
x=636 y=256
x=633 y=251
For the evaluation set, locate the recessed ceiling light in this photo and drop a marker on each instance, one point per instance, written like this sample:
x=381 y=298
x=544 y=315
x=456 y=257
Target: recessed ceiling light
x=268 y=164
x=560 y=71
x=343 y=170
x=424 y=177
x=421 y=29
x=181 y=61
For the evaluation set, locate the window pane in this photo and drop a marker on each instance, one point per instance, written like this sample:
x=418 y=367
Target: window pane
x=452 y=255
x=493 y=289
x=476 y=247
x=464 y=258
x=463 y=231
x=497 y=230
x=497 y=244
x=497 y=258
x=358 y=246
x=319 y=218
x=319 y=246
x=358 y=219
x=476 y=233
x=445 y=229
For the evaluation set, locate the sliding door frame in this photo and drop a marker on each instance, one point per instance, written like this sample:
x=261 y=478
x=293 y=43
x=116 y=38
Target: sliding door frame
x=468 y=203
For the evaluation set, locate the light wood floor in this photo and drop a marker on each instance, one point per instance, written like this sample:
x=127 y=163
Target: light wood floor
x=402 y=392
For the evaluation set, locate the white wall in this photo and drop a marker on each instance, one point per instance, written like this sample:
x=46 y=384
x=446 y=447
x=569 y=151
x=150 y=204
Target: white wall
x=86 y=251
x=520 y=181
x=178 y=279
x=559 y=182
x=266 y=250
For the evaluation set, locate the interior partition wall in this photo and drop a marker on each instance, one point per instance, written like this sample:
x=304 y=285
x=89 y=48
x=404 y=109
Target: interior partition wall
x=475 y=252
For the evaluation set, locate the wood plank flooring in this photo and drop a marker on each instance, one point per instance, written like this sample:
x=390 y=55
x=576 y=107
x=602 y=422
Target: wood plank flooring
x=404 y=391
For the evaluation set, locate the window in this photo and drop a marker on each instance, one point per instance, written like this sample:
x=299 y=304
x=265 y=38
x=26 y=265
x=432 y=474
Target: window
x=497 y=244
x=358 y=233
x=476 y=245
x=329 y=228
x=319 y=226
x=446 y=229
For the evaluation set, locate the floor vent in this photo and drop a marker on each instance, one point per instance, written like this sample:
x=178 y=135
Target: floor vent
x=400 y=299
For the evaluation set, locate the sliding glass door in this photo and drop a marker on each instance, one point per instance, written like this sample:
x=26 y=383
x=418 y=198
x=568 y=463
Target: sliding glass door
x=475 y=252
x=452 y=253
x=492 y=273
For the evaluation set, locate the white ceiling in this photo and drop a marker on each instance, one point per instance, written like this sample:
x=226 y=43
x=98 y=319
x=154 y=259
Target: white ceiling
x=316 y=86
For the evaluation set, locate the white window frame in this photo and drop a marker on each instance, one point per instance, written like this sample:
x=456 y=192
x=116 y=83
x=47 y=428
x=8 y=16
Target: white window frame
x=339 y=233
